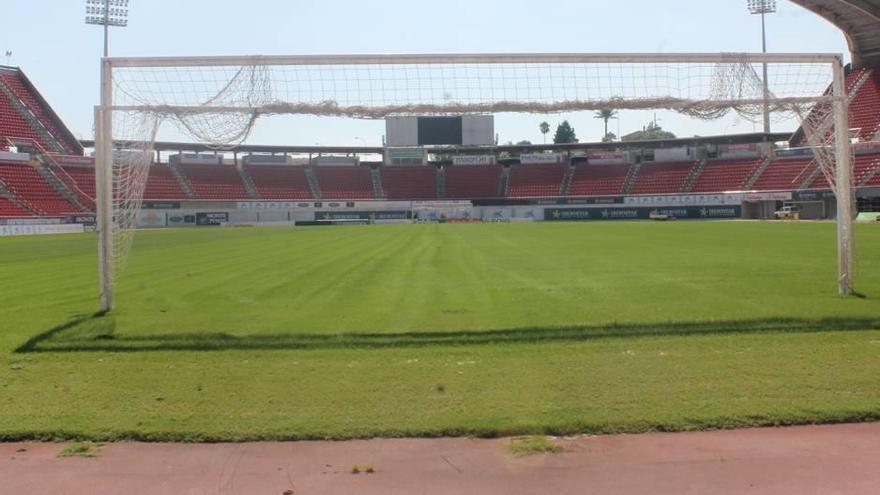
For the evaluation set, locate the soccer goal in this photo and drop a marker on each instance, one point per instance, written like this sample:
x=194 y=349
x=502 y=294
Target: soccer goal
x=218 y=101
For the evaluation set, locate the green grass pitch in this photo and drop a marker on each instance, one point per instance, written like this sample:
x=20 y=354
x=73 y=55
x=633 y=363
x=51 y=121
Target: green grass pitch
x=243 y=334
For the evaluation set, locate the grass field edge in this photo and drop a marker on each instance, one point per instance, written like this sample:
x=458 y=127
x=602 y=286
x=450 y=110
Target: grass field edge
x=570 y=429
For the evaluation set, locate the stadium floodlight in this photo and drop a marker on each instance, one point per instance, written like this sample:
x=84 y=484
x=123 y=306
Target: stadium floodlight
x=762 y=8
x=107 y=13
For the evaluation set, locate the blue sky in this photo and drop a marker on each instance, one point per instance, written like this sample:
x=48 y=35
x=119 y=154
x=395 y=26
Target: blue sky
x=60 y=53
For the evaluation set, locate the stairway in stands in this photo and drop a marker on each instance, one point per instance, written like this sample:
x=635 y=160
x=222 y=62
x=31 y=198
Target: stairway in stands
x=312 y=179
x=376 y=177
x=694 y=176
x=441 y=182
x=248 y=182
x=567 y=179
x=53 y=173
x=182 y=181
x=632 y=176
x=750 y=182
x=11 y=207
x=504 y=183
x=67 y=189
x=14 y=96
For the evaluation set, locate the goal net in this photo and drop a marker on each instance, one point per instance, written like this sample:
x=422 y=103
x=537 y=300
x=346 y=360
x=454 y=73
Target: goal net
x=218 y=101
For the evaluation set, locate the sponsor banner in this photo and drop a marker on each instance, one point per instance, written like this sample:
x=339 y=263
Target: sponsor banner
x=641 y=213
x=609 y=158
x=794 y=153
x=161 y=205
x=439 y=203
x=83 y=219
x=767 y=196
x=196 y=159
x=473 y=160
x=672 y=154
x=750 y=150
x=538 y=158
x=75 y=160
x=266 y=160
x=16 y=230
x=577 y=201
x=151 y=219
x=610 y=200
x=6 y=156
x=34 y=221
x=212 y=218
x=334 y=160
x=811 y=195
x=866 y=148
x=362 y=215
x=685 y=199
x=177 y=220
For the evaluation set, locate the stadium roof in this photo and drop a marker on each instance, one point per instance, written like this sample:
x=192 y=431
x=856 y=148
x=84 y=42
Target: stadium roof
x=167 y=146
x=860 y=22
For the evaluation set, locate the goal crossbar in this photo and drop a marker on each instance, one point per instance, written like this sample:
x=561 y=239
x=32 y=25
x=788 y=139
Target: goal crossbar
x=465 y=58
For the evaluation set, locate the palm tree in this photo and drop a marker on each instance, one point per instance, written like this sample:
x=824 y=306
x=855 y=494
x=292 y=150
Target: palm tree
x=545 y=128
x=606 y=114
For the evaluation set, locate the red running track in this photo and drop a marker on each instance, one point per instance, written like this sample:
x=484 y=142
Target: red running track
x=840 y=459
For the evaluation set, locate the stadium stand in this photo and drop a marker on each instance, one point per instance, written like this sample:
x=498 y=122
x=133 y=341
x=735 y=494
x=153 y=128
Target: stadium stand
x=161 y=184
x=12 y=124
x=598 y=180
x=785 y=174
x=865 y=106
x=409 y=182
x=83 y=177
x=8 y=209
x=344 y=182
x=658 y=178
x=214 y=181
x=473 y=181
x=535 y=181
x=725 y=175
x=15 y=124
x=280 y=181
x=30 y=188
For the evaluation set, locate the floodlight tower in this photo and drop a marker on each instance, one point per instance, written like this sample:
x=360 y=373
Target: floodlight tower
x=107 y=13
x=764 y=7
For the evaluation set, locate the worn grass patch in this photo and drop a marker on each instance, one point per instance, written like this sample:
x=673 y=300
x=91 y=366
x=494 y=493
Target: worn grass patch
x=80 y=449
x=533 y=445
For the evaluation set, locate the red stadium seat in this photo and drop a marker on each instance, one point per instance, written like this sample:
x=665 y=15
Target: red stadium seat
x=598 y=180
x=30 y=188
x=409 y=182
x=662 y=178
x=214 y=181
x=472 y=181
x=280 y=181
x=726 y=175
x=344 y=182
x=536 y=181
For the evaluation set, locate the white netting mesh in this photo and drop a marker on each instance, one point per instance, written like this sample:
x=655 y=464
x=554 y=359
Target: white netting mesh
x=220 y=105
x=134 y=133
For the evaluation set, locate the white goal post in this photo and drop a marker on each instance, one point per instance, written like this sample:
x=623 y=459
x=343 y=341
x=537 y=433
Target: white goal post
x=218 y=100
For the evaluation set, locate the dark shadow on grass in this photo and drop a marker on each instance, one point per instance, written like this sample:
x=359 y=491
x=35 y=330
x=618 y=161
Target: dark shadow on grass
x=97 y=333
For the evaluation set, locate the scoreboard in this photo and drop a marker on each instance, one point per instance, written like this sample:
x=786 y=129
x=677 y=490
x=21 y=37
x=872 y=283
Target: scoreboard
x=462 y=130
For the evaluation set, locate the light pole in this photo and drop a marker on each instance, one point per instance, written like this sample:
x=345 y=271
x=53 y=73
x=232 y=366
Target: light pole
x=764 y=7
x=107 y=13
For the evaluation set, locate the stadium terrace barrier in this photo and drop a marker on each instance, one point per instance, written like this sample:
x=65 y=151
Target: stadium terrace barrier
x=683 y=212
x=19 y=230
